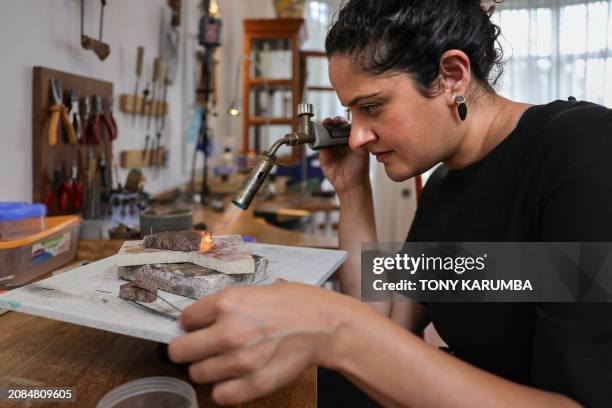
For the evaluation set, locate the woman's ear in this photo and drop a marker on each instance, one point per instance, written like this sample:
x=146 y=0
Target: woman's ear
x=455 y=75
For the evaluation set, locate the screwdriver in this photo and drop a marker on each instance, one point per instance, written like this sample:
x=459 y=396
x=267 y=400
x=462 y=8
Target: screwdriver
x=139 y=58
x=156 y=68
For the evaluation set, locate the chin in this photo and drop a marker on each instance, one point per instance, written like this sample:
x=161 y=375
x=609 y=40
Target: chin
x=398 y=175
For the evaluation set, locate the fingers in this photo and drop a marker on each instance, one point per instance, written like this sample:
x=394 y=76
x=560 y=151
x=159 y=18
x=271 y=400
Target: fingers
x=200 y=344
x=200 y=314
x=239 y=363
x=335 y=121
x=284 y=366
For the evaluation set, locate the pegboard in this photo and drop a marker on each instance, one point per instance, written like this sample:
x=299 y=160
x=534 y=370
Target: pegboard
x=47 y=159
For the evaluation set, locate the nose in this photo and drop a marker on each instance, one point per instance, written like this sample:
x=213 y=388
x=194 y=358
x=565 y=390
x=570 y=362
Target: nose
x=360 y=137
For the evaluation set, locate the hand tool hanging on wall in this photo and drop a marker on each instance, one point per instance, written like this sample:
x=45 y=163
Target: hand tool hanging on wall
x=101 y=49
x=57 y=188
x=139 y=58
x=164 y=107
x=91 y=134
x=59 y=111
x=93 y=189
x=152 y=107
x=109 y=120
x=156 y=152
x=146 y=148
x=75 y=189
x=145 y=99
x=104 y=174
x=161 y=74
x=74 y=115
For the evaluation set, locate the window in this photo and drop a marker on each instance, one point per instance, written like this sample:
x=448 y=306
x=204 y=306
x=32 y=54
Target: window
x=556 y=49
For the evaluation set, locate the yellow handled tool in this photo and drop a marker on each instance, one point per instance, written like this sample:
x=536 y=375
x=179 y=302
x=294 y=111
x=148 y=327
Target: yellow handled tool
x=59 y=111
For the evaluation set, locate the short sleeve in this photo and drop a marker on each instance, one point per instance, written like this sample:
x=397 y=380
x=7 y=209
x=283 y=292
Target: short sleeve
x=572 y=346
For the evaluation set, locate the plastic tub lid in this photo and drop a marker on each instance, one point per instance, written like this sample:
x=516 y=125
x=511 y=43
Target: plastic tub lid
x=12 y=204
x=151 y=392
x=20 y=211
x=54 y=226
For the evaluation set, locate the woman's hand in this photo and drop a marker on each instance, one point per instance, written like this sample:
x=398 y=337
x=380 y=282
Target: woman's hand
x=344 y=168
x=252 y=341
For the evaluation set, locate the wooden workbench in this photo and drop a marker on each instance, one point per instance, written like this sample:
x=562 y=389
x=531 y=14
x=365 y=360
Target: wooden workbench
x=39 y=352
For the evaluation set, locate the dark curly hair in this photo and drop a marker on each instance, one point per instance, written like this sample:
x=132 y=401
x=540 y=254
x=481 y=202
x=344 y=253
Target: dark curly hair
x=383 y=36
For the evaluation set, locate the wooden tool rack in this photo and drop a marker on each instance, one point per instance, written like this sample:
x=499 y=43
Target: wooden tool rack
x=45 y=158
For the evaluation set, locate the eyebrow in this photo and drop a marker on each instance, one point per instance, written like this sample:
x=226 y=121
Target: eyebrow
x=359 y=98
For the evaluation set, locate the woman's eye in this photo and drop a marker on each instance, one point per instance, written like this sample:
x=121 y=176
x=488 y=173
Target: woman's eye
x=370 y=108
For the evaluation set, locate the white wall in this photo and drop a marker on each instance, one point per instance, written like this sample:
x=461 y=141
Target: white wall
x=47 y=33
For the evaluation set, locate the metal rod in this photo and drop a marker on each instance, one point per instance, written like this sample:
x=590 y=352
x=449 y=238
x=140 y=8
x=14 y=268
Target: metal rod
x=82 y=16
x=103 y=3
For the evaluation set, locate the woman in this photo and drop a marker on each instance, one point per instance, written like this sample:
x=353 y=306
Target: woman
x=416 y=76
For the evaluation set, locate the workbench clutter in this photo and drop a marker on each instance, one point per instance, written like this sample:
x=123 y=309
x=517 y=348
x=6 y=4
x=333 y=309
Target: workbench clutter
x=90 y=295
x=32 y=244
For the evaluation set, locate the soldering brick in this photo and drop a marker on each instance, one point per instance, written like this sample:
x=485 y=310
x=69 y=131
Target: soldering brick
x=228 y=255
x=175 y=240
x=190 y=280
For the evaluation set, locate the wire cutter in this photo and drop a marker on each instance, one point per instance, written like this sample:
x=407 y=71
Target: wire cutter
x=73 y=189
x=109 y=121
x=58 y=188
x=92 y=124
x=58 y=110
x=74 y=115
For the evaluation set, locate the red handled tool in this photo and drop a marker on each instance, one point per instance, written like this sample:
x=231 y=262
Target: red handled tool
x=59 y=188
x=74 y=188
x=92 y=130
x=91 y=123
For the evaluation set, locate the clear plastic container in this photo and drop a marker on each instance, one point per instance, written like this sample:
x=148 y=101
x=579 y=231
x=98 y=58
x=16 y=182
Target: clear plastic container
x=18 y=220
x=27 y=258
x=151 y=392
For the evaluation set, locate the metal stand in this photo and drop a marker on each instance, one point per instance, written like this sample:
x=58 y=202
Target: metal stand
x=203 y=137
x=209 y=37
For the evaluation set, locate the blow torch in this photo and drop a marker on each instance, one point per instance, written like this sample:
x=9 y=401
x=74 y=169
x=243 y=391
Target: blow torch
x=314 y=134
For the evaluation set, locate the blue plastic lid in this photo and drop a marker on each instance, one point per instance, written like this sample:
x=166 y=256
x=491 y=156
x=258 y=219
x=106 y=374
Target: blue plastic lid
x=12 y=204
x=19 y=211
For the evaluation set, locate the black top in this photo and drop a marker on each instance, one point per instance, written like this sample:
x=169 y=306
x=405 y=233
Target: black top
x=549 y=180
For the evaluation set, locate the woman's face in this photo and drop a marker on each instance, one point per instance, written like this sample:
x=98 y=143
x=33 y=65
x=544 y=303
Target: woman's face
x=406 y=131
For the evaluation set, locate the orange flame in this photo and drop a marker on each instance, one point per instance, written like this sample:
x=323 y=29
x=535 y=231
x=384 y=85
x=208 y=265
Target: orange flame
x=206 y=244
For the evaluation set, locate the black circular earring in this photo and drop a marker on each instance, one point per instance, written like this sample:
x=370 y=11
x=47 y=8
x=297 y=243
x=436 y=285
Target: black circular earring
x=461 y=107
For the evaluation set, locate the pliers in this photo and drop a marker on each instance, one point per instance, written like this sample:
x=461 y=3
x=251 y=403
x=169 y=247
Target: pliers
x=57 y=187
x=58 y=110
x=73 y=189
x=74 y=115
x=92 y=124
x=109 y=120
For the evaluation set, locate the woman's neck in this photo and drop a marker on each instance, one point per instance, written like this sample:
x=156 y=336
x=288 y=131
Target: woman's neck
x=491 y=120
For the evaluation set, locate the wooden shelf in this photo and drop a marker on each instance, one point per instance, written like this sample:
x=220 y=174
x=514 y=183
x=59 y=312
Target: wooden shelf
x=271 y=83
x=289 y=33
x=320 y=89
x=136 y=159
x=160 y=108
x=258 y=120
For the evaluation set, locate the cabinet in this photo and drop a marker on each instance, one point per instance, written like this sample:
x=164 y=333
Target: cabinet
x=271 y=82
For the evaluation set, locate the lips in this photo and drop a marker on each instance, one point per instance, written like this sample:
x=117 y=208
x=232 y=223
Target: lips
x=381 y=156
